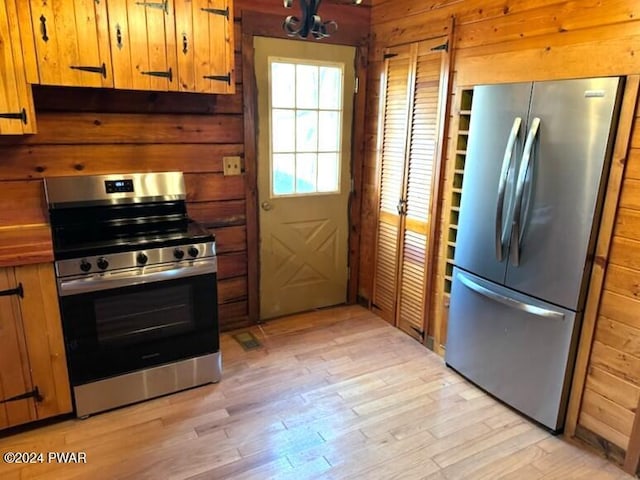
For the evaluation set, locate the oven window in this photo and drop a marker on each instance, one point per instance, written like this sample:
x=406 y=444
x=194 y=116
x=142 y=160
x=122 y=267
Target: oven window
x=144 y=316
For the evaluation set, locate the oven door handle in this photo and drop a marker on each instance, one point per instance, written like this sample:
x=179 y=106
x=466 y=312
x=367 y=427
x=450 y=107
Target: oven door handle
x=128 y=279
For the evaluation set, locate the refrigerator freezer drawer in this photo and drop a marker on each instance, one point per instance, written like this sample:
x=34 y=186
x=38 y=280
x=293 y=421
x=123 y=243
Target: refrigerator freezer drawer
x=517 y=348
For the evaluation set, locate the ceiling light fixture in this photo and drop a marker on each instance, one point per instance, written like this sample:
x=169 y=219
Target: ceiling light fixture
x=309 y=21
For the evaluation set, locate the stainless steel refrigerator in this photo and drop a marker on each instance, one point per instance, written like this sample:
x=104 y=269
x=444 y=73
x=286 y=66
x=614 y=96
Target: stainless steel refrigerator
x=535 y=173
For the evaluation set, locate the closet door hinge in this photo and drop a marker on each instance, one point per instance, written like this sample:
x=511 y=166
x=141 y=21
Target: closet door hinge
x=444 y=47
x=418 y=331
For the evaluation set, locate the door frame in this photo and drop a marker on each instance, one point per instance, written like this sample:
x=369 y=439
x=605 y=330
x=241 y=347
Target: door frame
x=269 y=25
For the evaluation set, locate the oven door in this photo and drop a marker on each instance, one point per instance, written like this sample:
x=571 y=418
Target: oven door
x=114 y=324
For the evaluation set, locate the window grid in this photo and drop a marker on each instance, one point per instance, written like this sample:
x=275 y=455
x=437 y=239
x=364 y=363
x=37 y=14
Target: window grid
x=321 y=161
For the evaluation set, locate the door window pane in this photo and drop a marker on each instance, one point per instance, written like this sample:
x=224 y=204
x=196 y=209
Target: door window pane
x=306 y=126
x=282 y=84
x=328 y=172
x=330 y=87
x=284 y=174
x=306 y=86
x=306 y=131
x=306 y=172
x=329 y=132
x=284 y=125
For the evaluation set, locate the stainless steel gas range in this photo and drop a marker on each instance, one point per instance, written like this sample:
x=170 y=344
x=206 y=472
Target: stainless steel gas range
x=137 y=288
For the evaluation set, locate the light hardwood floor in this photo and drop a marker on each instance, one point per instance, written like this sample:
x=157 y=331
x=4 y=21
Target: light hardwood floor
x=336 y=393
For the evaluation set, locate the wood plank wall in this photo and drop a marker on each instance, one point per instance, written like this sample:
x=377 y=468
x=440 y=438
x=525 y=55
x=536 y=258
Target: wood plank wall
x=499 y=41
x=612 y=390
x=92 y=131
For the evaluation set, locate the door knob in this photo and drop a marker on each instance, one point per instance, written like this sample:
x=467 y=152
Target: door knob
x=266 y=206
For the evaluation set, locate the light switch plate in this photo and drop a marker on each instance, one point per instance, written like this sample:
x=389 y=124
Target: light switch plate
x=232 y=165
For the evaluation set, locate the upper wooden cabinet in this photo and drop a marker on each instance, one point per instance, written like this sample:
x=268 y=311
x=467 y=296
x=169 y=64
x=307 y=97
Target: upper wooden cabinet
x=143 y=44
x=71 y=42
x=16 y=103
x=34 y=383
x=127 y=44
x=205 y=45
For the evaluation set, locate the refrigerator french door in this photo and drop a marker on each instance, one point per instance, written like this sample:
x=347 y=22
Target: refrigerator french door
x=534 y=178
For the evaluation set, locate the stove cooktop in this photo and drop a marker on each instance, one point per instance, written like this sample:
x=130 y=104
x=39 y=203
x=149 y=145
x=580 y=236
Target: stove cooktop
x=68 y=246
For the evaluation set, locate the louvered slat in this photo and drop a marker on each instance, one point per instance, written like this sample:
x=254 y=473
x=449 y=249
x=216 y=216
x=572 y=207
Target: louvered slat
x=424 y=136
x=394 y=135
x=411 y=304
x=386 y=270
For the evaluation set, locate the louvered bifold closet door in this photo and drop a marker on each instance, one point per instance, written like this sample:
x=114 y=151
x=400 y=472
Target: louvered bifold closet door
x=424 y=132
x=392 y=150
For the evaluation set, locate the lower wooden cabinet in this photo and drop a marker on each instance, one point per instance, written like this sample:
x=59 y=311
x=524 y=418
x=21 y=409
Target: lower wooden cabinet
x=32 y=356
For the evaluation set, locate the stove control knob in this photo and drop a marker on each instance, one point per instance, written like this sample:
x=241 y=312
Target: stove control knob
x=102 y=263
x=85 y=266
x=178 y=254
x=142 y=258
x=193 y=251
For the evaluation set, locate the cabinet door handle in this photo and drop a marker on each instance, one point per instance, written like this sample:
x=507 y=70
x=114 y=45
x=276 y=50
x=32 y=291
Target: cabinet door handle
x=13 y=291
x=119 y=37
x=185 y=43
x=101 y=70
x=16 y=116
x=35 y=394
x=220 y=78
x=168 y=74
x=217 y=11
x=43 y=28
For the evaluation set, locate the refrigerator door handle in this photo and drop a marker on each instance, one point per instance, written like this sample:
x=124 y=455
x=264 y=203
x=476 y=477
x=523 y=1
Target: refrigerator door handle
x=516 y=227
x=508 y=301
x=507 y=165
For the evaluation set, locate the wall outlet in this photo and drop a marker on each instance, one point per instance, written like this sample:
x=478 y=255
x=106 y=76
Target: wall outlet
x=232 y=165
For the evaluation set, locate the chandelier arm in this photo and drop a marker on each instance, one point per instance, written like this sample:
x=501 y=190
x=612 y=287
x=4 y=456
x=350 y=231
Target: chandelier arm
x=309 y=21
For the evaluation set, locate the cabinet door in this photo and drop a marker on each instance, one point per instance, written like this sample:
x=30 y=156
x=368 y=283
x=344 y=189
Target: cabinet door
x=32 y=351
x=71 y=41
x=143 y=44
x=205 y=45
x=44 y=339
x=16 y=103
x=15 y=378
